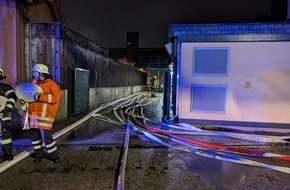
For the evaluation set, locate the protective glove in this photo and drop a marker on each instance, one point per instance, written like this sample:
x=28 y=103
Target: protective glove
x=24 y=106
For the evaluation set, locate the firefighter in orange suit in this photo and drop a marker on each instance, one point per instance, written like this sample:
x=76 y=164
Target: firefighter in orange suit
x=42 y=113
x=7 y=102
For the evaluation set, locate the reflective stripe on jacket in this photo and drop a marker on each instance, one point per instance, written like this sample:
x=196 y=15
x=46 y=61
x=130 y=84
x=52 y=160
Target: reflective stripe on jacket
x=7 y=101
x=42 y=112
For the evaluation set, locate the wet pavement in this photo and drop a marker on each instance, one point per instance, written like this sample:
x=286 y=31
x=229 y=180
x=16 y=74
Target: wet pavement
x=90 y=154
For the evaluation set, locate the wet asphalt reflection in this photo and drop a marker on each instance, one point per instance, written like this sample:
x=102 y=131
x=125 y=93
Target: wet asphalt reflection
x=219 y=172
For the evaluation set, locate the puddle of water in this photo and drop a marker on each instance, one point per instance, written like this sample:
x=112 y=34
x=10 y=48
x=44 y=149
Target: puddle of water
x=93 y=131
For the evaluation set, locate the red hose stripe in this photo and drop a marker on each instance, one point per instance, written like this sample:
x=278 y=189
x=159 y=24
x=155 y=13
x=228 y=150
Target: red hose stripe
x=214 y=146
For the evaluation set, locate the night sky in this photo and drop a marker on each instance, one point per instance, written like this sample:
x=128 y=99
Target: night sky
x=106 y=22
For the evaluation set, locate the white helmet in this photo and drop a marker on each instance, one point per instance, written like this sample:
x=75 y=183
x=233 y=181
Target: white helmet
x=40 y=68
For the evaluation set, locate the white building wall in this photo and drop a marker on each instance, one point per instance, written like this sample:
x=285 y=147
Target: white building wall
x=263 y=65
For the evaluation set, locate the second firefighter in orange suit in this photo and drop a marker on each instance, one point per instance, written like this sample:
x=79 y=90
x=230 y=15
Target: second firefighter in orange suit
x=42 y=113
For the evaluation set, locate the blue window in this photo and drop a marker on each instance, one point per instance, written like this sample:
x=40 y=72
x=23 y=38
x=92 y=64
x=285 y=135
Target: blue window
x=208 y=98
x=210 y=61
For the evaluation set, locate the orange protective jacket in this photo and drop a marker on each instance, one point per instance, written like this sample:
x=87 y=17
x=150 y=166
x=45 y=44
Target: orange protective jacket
x=42 y=112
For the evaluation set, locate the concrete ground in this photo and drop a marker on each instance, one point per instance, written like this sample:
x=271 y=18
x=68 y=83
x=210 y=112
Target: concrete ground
x=90 y=154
